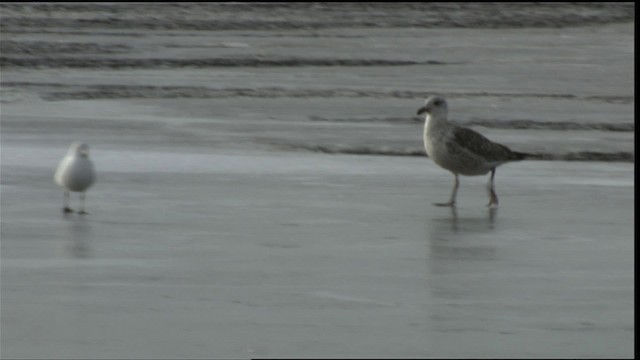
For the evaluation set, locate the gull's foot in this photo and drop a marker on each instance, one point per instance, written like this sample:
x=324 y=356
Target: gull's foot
x=493 y=199
x=447 y=204
x=67 y=210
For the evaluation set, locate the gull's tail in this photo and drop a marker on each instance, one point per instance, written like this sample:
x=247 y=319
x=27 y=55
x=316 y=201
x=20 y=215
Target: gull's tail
x=516 y=156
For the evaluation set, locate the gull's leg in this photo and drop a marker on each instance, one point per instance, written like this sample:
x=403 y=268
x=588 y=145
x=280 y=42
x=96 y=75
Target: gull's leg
x=82 y=212
x=66 y=209
x=493 y=198
x=452 y=199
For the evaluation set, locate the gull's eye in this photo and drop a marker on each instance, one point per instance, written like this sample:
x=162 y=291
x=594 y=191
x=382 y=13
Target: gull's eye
x=437 y=102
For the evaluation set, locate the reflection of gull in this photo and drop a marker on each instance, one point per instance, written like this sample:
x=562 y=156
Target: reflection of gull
x=461 y=150
x=493 y=212
x=80 y=235
x=75 y=173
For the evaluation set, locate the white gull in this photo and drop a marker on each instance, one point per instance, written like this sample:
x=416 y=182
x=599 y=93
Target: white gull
x=75 y=173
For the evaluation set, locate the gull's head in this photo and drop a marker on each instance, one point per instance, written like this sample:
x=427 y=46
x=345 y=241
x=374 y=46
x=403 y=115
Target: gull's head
x=79 y=149
x=434 y=106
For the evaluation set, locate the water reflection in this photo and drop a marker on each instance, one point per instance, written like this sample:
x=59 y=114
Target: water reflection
x=454 y=237
x=461 y=258
x=493 y=213
x=469 y=224
x=79 y=246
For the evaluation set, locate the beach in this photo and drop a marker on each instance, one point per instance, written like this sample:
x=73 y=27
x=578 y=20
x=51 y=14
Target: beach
x=262 y=189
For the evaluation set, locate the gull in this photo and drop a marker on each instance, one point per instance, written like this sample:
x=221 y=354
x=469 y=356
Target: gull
x=75 y=173
x=461 y=150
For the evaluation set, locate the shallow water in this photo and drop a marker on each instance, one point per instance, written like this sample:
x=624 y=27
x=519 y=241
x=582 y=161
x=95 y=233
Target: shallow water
x=309 y=85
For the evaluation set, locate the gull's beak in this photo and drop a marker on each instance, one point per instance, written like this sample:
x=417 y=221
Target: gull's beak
x=422 y=110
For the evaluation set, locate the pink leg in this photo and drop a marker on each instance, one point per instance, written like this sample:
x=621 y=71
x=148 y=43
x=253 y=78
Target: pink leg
x=452 y=199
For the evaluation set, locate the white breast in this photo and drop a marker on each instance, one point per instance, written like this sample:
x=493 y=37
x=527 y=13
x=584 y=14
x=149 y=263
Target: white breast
x=75 y=173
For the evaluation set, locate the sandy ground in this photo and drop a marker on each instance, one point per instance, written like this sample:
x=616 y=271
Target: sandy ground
x=221 y=228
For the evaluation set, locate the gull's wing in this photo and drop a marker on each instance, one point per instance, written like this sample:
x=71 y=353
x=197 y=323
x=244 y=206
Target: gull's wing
x=479 y=145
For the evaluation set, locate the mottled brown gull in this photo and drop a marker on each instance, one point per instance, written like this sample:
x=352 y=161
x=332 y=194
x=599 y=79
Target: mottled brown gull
x=461 y=150
x=75 y=173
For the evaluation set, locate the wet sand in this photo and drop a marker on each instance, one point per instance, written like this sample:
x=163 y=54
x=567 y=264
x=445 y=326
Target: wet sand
x=231 y=218
x=281 y=255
